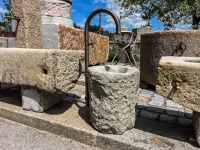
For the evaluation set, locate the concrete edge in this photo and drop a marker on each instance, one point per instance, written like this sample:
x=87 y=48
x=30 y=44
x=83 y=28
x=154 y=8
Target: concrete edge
x=52 y=127
x=94 y=139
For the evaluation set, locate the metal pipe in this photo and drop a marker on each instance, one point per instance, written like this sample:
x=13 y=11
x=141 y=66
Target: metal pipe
x=87 y=44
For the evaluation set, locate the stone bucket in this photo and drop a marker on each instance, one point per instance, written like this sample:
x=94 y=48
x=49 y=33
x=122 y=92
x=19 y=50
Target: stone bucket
x=168 y=43
x=113 y=91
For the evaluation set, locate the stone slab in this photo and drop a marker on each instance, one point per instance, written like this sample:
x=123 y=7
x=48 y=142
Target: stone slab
x=73 y=39
x=48 y=70
x=71 y=120
x=178 y=79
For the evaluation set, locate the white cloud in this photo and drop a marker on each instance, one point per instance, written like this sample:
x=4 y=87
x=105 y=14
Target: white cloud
x=2 y=10
x=132 y=21
x=100 y=1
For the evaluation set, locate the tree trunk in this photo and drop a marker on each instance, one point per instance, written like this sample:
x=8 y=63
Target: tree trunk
x=195 y=22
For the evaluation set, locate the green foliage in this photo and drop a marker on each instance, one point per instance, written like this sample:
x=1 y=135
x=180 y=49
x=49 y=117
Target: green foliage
x=6 y=25
x=170 y=12
x=99 y=30
x=112 y=53
x=76 y=26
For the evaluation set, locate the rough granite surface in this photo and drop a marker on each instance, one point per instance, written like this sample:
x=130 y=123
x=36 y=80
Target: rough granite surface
x=73 y=39
x=38 y=101
x=178 y=79
x=196 y=124
x=49 y=70
x=29 y=34
x=158 y=44
x=56 y=8
x=114 y=93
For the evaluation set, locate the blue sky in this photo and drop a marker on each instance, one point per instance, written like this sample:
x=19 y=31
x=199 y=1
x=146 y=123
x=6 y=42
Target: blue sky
x=82 y=8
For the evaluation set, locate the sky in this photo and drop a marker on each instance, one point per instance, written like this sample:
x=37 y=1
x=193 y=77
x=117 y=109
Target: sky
x=81 y=9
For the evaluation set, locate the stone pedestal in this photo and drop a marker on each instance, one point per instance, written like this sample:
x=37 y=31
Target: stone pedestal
x=196 y=124
x=37 y=100
x=56 y=12
x=29 y=34
x=113 y=91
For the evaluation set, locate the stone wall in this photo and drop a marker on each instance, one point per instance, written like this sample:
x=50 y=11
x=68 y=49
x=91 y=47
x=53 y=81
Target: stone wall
x=158 y=44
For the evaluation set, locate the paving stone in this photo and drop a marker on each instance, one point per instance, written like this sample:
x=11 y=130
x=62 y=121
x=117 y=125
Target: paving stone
x=175 y=111
x=168 y=118
x=170 y=103
x=188 y=113
x=157 y=100
x=156 y=109
x=145 y=93
x=149 y=115
x=143 y=99
x=137 y=112
x=185 y=121
x=140 y=104
x=157 y=97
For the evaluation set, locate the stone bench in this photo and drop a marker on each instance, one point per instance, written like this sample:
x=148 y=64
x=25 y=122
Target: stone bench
x=179 y=80
x=43 y=74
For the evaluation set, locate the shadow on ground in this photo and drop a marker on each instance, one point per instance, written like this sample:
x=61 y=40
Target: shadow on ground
x=168 y=130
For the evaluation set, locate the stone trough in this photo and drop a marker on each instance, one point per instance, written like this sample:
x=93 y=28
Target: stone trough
x=43 y=74
x=169 y=43
x=179 y=80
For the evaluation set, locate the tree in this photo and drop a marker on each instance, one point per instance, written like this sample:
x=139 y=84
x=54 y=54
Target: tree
x=170 y=12
x=6 y=25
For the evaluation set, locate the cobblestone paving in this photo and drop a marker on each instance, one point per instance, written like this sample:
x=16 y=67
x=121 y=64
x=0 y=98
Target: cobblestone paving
x=150 y=106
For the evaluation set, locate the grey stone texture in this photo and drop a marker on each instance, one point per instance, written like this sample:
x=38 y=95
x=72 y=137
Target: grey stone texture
x=7 y=42
x=56 y=8
x=114 y=93
x=50 y=36
x=48 y=70
x=196 y=124
x=74 y=124
x=158 y=44
x=38 y=101
x=167 y=118
x=149 y=115
x=178 y=80
x=29 y=33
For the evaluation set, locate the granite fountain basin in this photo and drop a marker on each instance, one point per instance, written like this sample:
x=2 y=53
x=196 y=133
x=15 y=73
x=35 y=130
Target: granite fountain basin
x=43 y=74
x=179 y=80
x=113 y=90
x=168 y=43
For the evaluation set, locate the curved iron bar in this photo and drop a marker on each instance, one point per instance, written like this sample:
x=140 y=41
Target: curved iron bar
x=125 y=51
x=180 y=48
x=87 y=43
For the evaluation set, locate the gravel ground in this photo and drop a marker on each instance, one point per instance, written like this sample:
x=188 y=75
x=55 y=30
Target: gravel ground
x=14 y=136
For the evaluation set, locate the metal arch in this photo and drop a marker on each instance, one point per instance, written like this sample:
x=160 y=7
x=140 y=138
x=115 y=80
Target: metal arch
x=87 y=43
